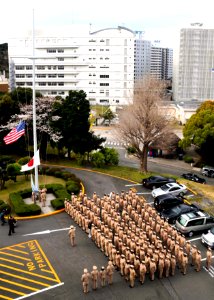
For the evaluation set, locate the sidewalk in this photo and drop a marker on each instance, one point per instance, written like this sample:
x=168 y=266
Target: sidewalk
x=48 y=207
x=173 y=162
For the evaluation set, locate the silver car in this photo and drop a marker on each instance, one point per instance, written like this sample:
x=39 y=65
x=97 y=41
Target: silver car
x=193 y=222
x=208 y=239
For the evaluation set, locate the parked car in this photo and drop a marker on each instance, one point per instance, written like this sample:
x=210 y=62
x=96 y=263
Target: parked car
x=208 y=171
x=173 y=213
x=153 y=182
x=193 y=177
x=166 y=201
x=193 y=222
x=170 y=188
x=208 y=239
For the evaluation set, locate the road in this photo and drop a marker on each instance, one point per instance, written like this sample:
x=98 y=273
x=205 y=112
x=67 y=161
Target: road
x=39 y=260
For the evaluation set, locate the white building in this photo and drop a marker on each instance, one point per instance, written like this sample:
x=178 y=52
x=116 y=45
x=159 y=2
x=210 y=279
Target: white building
x=152 y=60
x=195 y=76
x=101 y=63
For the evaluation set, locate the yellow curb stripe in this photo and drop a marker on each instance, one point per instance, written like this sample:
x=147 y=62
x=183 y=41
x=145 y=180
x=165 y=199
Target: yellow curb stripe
x=20 y=246
x=27 y=272
x=19 y=251
x=27 y=259
x=41 y=216
x=12 y=291
x=12 y=261
x=5 y=297
x=47 y=261
x=19 y=284
x=24 y=278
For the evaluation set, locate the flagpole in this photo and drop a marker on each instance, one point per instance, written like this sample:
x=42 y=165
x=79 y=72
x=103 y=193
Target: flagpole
x=34 y=109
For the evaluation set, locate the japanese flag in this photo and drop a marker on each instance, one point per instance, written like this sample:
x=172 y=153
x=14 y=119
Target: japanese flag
x=35 y=161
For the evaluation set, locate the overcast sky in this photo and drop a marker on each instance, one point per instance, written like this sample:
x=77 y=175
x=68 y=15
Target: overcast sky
x=159 y=19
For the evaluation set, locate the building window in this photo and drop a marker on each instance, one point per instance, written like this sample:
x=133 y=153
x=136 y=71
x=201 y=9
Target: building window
x=60 y=50
x=20 y=68
x=40 y=67
x=51 y=75
x=42 y=83
x=20 y=83
x=41 y=76
x=60 y=67
x=60 y=75
x=104 y=101
x=104 y=76
x=51 y=50
x=61 y=93
x=29 y=75
x=60 y=58
x=60 y=83
x=51 y=83
x=29 y=83
x=29 y=67
x=104 y=84
x=20 y=76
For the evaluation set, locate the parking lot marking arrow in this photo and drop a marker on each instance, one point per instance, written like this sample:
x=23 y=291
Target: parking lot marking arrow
x=47 y=231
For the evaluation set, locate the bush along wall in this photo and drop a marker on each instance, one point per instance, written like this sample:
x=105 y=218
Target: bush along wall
x=21 y=208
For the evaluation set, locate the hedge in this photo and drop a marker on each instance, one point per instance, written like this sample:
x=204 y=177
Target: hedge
x=5 y=206
x=22 y=209
x=61 y=192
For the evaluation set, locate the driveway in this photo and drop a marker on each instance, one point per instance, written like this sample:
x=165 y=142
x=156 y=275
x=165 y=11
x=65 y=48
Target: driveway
x=38 y=260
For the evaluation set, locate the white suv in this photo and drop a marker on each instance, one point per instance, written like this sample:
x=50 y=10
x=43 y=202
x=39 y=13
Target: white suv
x=193 y=222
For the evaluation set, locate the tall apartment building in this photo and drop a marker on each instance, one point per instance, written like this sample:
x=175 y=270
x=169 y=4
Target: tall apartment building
x=152 y=60
x=101 y=63
x=195 y=76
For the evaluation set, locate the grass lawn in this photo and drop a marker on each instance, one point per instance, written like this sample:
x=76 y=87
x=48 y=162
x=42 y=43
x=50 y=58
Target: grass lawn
x=22 y=184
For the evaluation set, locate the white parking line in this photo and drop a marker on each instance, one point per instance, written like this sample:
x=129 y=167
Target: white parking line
x=210 y=271
x=143 y=193
x=194 y=239
x=205 y=259
x=133 y=184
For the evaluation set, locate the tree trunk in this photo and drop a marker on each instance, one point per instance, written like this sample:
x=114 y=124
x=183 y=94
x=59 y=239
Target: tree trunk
x=143 y=162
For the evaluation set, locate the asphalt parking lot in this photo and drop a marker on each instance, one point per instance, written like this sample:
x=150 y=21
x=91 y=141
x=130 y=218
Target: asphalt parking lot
x=39 y=262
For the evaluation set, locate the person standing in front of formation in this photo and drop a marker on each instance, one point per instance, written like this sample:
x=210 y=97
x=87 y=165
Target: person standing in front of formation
x=103 y=276
x=110 y=272
x=85 y=280
x=208 y=258
x=94 y=277
x=72 y=235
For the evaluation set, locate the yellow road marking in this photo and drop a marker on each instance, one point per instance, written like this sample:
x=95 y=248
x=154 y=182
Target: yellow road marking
x=51 y=268
x=46 y=271
x=1 y=252
x=18 y=251
x=20 y=246
x=4 y=297
x=12 y=291
x=30 y=273
x=13 y=261
x=19 y=284
x=24 y=278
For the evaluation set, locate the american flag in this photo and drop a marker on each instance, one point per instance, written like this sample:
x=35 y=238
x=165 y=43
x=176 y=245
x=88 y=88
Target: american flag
x=15 y=133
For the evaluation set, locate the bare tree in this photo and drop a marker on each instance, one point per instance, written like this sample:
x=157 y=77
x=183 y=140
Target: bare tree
x=143 y=122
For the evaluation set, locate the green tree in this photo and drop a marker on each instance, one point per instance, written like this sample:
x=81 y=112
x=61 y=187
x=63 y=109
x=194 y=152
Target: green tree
x=8 y=107
x=199 y=131
x=74 y=123
x=108 y=115
x=111 y=156
x=13 y=170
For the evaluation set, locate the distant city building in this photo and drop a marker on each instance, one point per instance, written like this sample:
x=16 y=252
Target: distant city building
x=101 y=63
x=152 y=60
x=195 y=75
x=4 y=86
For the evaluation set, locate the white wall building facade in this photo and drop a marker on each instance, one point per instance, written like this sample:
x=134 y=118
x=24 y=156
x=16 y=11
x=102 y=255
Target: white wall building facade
x=100 y=63
x=195 y=77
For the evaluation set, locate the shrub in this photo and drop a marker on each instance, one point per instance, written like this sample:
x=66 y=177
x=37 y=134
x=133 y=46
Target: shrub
x=188 y=159
x=5 y=206
x=22 y=209
x=98 y=159
x=131 y=150
x=111 y=156
x=58 y=203
x=72 y=187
